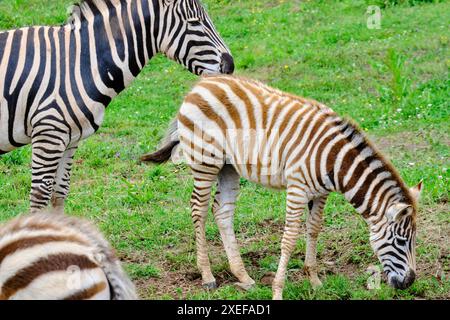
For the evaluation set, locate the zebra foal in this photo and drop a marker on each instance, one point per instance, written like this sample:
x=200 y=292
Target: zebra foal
x=230 y=127
x=55 y=82
x=45 y=256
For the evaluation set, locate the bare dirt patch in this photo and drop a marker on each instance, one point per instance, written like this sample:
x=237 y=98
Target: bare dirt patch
x=179 y=280
x=406 y=140
x=434 y=233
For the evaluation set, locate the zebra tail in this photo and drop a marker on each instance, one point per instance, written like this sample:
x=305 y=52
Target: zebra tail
x=169 y=143
x=120 y=285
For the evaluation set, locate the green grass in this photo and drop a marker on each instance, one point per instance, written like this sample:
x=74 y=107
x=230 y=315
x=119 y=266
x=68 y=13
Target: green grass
x=393 y=81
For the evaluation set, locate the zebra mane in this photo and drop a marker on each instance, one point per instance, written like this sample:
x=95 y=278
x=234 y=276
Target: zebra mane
x=78 y=10
x=388 y=166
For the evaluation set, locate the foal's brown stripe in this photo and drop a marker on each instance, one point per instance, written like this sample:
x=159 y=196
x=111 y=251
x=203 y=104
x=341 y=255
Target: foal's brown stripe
x=201 y=134
x=55 y=262
x=87 y=293
x=222 y=96
x=205 y=108
x=29 y=242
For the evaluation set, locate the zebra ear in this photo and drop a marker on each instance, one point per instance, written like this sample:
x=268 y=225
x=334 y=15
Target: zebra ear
x=417 y=191
x=397 y=211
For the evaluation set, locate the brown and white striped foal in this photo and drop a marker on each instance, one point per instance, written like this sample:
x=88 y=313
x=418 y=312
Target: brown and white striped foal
x=53 y=256
x=230 y=127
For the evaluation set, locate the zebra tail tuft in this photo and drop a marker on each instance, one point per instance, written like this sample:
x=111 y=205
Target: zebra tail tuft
x=162 y=155
x=169 y=143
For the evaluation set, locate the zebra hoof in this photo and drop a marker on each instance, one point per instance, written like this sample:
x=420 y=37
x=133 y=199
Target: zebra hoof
x=277 y=296
x=210 y=285
x=315 y=283
x=245 y=286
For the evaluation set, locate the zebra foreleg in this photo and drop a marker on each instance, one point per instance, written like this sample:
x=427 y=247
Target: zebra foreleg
x=313 y=225
x=223 y=210
x=295 y=203
x=62 y=180
x=204 y=178
x=47 y=152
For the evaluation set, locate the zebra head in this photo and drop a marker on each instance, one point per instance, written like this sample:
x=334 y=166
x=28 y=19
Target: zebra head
x=395 y=241
x=191 y=39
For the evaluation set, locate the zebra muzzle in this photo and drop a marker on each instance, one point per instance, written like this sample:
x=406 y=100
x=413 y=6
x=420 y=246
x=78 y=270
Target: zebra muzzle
x=227 y=64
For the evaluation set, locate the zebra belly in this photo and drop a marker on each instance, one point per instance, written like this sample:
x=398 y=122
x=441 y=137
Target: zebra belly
x=274 y=180
x=253 y=164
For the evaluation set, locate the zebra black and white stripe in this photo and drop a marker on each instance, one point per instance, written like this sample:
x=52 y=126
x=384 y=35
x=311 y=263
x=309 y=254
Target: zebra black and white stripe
x=55 y=82
x=230 y=127
x=46 y=256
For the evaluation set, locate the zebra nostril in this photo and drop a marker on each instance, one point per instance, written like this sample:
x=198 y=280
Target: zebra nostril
x=227 y=64
x=409 y=278
x=403 y=283
x=394 y=282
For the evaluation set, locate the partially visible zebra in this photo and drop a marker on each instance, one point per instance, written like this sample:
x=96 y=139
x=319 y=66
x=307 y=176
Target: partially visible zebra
x=55 y=82
x=44 y=256
x=230 y=127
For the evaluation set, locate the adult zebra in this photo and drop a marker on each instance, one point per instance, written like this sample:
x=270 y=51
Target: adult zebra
x=55 y=82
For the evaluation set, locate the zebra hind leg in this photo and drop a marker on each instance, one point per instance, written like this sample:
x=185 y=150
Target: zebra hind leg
x=47 y=152
x=62 y=180
x=204 y=178
x=296 y=201
x=313 y=225
x=223 y=210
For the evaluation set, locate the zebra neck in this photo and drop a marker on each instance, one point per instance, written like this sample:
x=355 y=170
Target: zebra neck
x=366 y=179
x=119 y=37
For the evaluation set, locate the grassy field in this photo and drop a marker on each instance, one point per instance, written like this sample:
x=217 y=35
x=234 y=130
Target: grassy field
x=393 y=81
